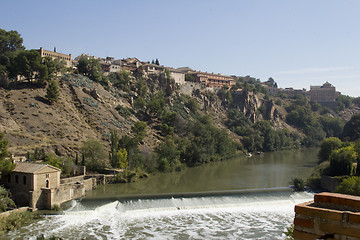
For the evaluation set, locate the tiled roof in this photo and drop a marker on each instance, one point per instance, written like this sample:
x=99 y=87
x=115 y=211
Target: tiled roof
x=26 y=167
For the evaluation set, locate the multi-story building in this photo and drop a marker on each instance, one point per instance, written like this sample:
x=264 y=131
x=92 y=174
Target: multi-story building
x=325 y=94
x=53 y=54
x=212 y=80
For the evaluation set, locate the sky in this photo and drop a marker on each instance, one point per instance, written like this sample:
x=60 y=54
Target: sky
x=297 y=43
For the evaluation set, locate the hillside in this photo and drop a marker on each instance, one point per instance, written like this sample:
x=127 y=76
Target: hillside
x=88 y=110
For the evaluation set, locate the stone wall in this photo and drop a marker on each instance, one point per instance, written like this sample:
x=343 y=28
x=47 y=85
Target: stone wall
x=329 y=183
x=72 y=179
x=67 y=192
x=89 y=184
x=188 y=87
x=329 y=216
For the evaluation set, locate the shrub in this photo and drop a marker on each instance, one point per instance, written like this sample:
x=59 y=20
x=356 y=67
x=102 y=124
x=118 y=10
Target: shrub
x=298 y=184
x=350 y=186
x=341 y=161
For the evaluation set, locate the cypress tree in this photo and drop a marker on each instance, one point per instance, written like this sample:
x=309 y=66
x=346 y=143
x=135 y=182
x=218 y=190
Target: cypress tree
x=52 y=92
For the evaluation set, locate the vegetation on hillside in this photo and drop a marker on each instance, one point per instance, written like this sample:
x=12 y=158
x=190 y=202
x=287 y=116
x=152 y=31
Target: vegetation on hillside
x=164 y=129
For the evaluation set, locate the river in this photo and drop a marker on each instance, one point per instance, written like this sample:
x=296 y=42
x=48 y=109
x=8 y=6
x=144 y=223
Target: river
x=244 y=198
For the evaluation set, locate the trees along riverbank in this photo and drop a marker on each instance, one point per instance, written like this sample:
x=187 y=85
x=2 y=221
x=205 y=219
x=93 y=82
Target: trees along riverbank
x=340 y=159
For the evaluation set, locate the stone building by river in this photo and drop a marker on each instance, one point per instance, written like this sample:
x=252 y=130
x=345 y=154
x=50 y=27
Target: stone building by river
x=39 y=186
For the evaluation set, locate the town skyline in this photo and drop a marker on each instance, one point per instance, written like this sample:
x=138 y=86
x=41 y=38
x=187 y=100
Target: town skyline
x=297 y=44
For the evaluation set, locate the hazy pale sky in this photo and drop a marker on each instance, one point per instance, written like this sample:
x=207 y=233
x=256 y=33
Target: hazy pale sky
x=298 y=43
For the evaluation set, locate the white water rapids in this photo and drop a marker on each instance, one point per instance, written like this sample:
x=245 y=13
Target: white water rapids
x=244 y=216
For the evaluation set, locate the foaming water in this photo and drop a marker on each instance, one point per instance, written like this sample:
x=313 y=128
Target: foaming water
x=240 y=216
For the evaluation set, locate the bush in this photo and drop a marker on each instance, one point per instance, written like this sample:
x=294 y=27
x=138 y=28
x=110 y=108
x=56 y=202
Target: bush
x=14 y=220
x=298 y=184
x=327 y=146
x=341 y=161
x=5 y=200
x=349 y=186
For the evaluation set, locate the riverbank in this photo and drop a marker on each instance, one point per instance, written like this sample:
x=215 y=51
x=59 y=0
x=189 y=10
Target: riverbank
x=16 y=218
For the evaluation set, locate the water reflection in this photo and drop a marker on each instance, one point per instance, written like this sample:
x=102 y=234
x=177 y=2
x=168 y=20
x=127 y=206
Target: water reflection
x=266 y=171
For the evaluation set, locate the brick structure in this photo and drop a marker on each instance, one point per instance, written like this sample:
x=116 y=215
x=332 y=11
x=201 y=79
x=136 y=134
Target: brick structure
x=38 y=186
x=329 y=216
x=66 y=58
x=211 y=80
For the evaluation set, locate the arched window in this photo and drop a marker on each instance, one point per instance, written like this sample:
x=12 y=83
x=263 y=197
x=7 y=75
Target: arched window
x=47 y=184
x=16 y=179
x=24 y=180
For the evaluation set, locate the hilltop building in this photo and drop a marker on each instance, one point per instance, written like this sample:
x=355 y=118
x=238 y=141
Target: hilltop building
x=325 y=95
x=66 y=58
x=211 y=80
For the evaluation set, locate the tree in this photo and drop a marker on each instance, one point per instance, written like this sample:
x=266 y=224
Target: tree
x=6 y=166
x=114 y=145
x=139 y=129
x=91 y=68
x=94 y=155
x=327 y=146
x=5 y=200
x=52 y=92
x=122 y=158
x=157 y=62
x=10 y=41
x=351 y=130
x=341 y=161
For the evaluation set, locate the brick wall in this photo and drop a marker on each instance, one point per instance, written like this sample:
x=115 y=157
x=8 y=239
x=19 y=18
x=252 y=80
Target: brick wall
x=329 y=216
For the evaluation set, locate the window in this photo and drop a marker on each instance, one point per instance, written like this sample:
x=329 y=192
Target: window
x=24 y=180
x=16 y=179
x=47 y=175
x=47 y=184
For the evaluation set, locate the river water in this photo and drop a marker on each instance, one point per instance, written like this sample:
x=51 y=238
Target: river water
x=243 y=198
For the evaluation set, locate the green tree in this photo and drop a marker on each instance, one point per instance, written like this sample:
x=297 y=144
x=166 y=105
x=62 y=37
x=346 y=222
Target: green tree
x=327 y=146
x=139 y=129
x=5 y=200
x=114 y=147
x=156 y=105
x=122 y=158
x=91 y=68
x=10 y=41
x=341 y=161
x=351 y=130
x=6 y=166
x=94 y=155
x=121 y=79
x=52 y=92
x=168 y=155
